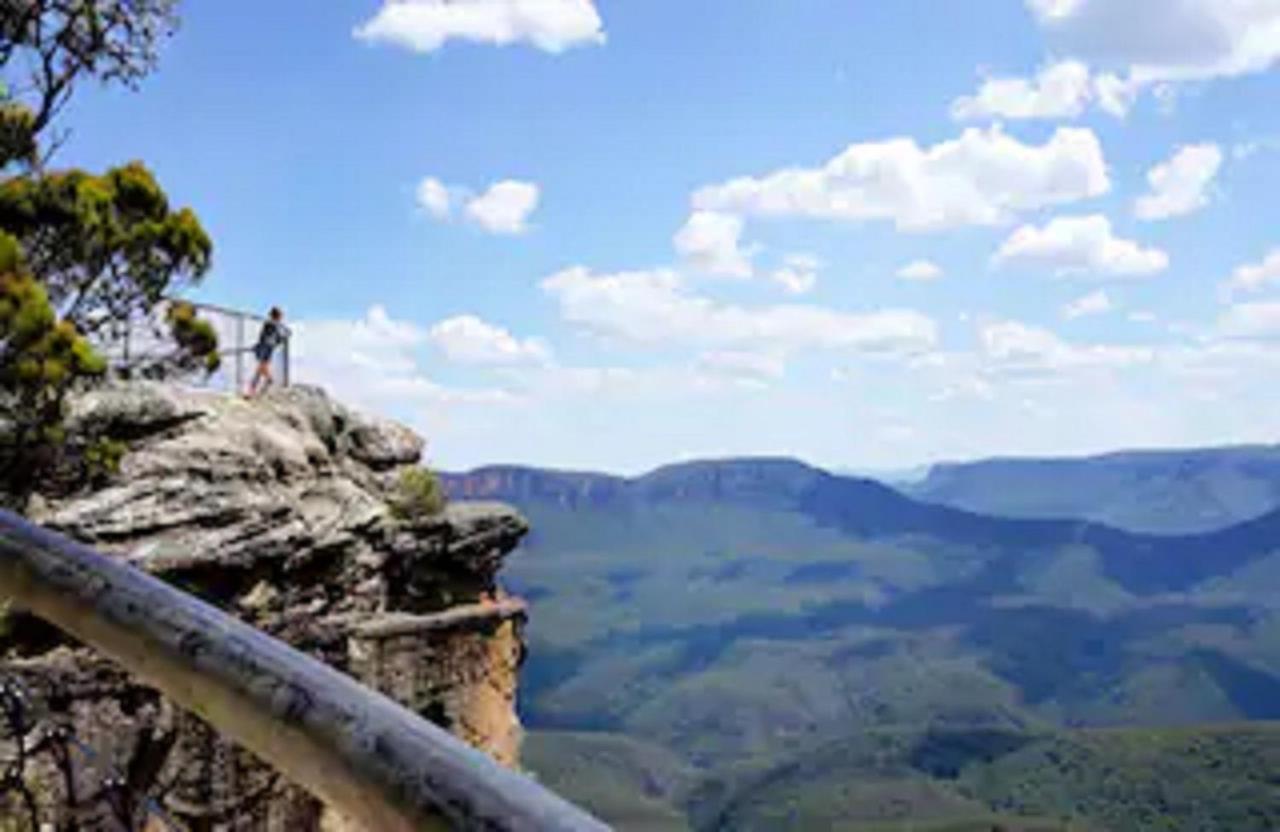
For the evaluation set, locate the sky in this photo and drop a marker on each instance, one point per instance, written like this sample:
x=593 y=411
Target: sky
x=609 y=235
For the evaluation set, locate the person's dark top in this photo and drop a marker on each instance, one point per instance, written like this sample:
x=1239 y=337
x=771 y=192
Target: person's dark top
x=272 y=335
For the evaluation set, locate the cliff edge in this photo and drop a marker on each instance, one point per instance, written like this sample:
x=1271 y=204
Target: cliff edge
x=279 y=510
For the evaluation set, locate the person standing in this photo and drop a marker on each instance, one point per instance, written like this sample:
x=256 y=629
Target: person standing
x=273 y=334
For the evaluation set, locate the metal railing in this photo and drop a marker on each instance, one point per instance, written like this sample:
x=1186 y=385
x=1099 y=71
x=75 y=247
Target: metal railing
x=237 y=335
x=369 y=758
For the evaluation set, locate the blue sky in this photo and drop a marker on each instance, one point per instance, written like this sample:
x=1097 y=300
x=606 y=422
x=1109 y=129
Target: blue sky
x=615 y=234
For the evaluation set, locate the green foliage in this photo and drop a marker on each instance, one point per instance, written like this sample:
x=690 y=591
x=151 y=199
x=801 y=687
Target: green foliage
x=418 y=495
x=106 y=248
x=48 y=46
x=17 y=135
x=806 y=676
x=1143 y=779
x=41 y=359
x=84 y=257
x=630 y=783
x=1184 y=780
x=102 y=458
x=196 y=339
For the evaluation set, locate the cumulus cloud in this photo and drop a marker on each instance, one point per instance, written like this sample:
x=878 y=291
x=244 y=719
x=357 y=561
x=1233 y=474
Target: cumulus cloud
x=504 y=208
x=426 y=25
x=1158 y=41
x=467 y=339
x=984 y=177
x=1180 y=186
x=1060 y=90
x=372 y=362
x=1251 y=320
x=1015 y=348
x=656 y=307
x=1094 y=303
x=920 y=271
x=434 y=198
x=712 y=242
x=1083 y=246
x=798 y=274
x=1253 y=277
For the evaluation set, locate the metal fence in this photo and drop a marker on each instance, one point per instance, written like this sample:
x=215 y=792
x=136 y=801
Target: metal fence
x=146 y=337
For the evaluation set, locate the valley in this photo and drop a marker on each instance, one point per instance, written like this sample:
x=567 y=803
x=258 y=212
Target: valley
x=725 y=631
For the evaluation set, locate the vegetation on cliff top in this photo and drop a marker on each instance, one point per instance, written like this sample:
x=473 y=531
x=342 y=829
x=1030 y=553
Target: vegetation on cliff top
x=83 y=256
x=418 y=495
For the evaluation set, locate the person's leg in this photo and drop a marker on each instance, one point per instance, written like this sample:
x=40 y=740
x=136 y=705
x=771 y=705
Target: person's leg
x=264 y=369
x=259 y=375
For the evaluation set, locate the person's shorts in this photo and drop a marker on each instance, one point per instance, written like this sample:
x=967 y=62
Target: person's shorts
x=262 y=353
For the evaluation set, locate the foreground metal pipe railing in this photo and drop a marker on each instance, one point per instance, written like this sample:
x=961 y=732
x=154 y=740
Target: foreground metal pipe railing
x=367 y=757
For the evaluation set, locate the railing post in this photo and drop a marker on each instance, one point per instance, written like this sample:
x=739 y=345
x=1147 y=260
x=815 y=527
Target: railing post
x=239 y=353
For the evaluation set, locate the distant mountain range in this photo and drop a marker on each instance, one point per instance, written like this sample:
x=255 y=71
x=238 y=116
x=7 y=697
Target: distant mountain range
x=1169 y=492
x=731 y=623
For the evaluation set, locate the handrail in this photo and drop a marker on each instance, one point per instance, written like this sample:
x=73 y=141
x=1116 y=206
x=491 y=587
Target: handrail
x=235 y=341
x=366 y=756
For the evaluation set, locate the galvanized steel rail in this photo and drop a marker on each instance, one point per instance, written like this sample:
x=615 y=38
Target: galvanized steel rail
x=366 y=756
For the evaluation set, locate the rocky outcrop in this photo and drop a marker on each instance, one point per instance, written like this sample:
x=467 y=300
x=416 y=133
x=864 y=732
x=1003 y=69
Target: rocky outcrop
x=280 y=510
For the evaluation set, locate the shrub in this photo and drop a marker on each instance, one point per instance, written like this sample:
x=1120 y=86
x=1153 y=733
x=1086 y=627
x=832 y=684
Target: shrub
x=418 y=495
x=102 y=459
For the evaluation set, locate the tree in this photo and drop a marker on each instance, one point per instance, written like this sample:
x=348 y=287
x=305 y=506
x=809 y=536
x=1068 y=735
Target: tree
x=106 y=248
x=41 y=358
x=48 y=46
x=85 y=258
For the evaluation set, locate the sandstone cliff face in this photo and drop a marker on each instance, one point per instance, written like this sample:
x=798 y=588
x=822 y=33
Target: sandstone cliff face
x=278 y=510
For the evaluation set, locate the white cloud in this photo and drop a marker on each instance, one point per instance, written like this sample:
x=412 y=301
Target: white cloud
x=1180 y=186
x=1016 y=348
x=426 y=25
x=435 y=198
x=984 y=177
x=1248 y=148
x=371 y=362
x=505 y=208
x=712 y=242
x=798 y=274
x=1115 y=95
x=1158 y=41
x=655 y=307
x=1253 y=277
x=920 y=271
x=1081 y=245
x=1251 y=320
x=468 y=340
x=740 y=365
x=1060 y=90
x=1094 y=303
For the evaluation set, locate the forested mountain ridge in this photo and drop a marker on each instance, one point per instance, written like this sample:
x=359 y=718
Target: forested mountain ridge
x=1172 y=492
x=749 y=617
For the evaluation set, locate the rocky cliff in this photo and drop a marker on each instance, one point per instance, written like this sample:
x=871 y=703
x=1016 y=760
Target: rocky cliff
x=281 y=511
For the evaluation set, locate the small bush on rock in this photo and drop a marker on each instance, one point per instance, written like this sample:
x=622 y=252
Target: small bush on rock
x=418 y=495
